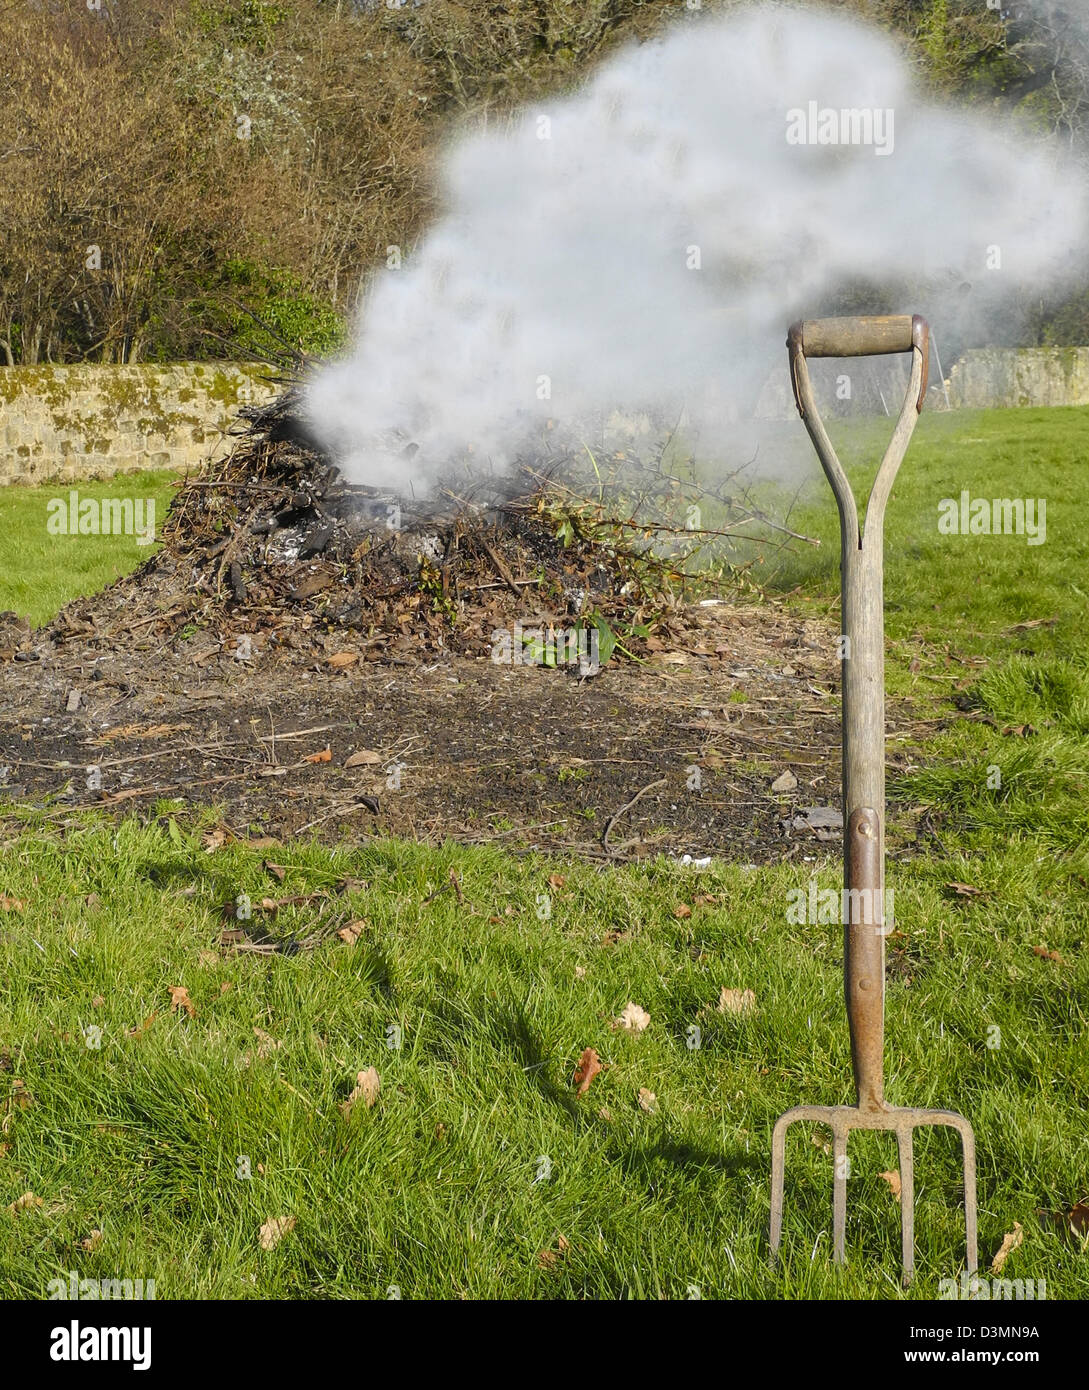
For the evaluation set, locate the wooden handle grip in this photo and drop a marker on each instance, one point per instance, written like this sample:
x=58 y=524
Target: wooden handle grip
x=866 y=336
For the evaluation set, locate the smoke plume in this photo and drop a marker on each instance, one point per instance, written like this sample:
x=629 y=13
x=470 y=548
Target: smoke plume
x=646 y=241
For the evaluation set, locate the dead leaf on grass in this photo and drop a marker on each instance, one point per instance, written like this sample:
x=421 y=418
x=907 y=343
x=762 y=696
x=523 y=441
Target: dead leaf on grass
x=548 y=1259
x=367 y=1086
x=736 y=1001
x=277 y=871
x=142 y=1028
x=681 y=911
x=352 y=932
x=556 y=881
x=965 y=890
x=266 y=1043
x=179 y=999
x=92 y=1241
x=11 y=904
x=324 y=756
x=892 y=1177
x=588 y=1067
x=339 y=660
x=785 y=782
x=1048 y=955
x=632 y=1019
x=1010 y=1241
x=274 y=1230
x=27 y=1202
x=214 y=839
x=648 y=1101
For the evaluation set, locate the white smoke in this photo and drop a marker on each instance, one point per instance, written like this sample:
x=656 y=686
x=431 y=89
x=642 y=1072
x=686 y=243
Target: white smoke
x=649 y=239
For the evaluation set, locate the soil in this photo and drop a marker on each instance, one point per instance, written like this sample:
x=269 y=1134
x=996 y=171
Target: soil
x=460 y=747
x=295 y=661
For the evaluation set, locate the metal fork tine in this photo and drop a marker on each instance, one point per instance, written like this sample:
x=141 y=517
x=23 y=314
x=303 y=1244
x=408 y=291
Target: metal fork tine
x=905 y=1149
x=968 y=1140
x=839 y=1194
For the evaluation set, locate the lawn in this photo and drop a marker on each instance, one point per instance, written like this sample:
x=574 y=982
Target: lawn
x=40 y=572
x=177 y=1125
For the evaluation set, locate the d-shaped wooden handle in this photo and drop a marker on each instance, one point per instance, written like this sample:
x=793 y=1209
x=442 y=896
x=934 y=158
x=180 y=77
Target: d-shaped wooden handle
x=870 y=335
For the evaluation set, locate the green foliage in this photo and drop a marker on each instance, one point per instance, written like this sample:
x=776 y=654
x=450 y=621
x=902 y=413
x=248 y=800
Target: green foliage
x=266 y=308
x=249 y=23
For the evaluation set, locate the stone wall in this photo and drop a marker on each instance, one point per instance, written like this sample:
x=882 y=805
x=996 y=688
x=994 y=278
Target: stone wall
x=987 y=377
x=67 y=423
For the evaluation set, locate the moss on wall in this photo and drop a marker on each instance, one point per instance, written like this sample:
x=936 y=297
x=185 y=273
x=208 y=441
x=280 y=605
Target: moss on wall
x=59 y=422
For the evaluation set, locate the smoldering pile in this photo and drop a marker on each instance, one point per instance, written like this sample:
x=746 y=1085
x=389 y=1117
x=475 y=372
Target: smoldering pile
x=274 y=541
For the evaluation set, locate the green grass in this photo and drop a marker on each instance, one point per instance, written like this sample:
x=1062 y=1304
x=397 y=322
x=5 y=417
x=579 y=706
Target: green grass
x=435 y=1189
x=40 y=572
x=435 y=1192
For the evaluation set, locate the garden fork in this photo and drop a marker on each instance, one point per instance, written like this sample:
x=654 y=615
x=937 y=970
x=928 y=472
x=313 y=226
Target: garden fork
x=863 y=678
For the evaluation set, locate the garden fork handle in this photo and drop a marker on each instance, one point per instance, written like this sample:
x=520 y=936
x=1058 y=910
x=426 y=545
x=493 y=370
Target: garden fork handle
x=863 y=669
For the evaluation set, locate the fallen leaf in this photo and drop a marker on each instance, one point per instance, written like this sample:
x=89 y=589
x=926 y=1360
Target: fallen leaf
x=367 y=1085
x=1031 y=623
x=341 y=659
x=207 y=958
x=893 y=1179
x=266 y=1043
x=820 y=1143
x=213 y=839
x=548 y=1259
x=1048 y=955
x=736 y=1001
x=682 y=910
x=274 y=1230
x=588 y=1067
x=324 y=756
x=648 y=1101
x=785 y=782
x=25 y=1203
x=11 y=904
x=1010 y=1241
x=276 y=870
x=363 y=758
x=705 y=900
x=97 y=1002
x=1077 y=1218
x=965 y=890
x=632 y=1019
x=179 y=999
x=93 y=1241
x=352 y=932
x=556 y=881
x=143 y=1027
